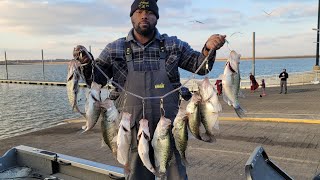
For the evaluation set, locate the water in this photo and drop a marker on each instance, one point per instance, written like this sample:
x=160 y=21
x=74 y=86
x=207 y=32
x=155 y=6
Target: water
x=26 y=108
x=262 y=67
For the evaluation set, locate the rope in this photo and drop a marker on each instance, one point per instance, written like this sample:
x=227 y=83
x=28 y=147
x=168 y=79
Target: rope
x=155 y=97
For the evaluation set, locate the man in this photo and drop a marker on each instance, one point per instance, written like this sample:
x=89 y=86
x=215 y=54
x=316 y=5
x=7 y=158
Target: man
x=146 y=63
x=283 y=80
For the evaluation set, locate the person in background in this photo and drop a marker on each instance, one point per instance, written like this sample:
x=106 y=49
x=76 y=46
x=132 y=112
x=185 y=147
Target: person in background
x=147 y=64
x=219 y=86
x=283 y=81
x=253 y=82
x=263 y=87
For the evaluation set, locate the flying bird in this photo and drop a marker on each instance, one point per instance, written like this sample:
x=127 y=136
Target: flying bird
x=269 y=14
x=196 y=21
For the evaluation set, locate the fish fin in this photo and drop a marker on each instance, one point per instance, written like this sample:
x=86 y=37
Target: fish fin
x=216 y=125
x=216 y=106
x=81 y=131
x=115 y=139
x=103 y=144
x=157 y=169
x=240 y=112
x=114 y=153
x=157 y=174
x=206 y=137
x=226 y=99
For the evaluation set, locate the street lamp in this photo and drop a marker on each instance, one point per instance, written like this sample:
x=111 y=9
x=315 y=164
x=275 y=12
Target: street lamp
x=316 y=67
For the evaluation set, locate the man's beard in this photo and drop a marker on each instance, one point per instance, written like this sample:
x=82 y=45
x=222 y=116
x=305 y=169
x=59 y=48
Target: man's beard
x=147 y=31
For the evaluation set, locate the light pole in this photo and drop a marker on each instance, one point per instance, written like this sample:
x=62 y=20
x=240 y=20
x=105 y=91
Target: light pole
x=316 y=67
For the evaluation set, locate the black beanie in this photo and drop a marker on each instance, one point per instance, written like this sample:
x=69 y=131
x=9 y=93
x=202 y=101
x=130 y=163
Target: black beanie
x=150 y=5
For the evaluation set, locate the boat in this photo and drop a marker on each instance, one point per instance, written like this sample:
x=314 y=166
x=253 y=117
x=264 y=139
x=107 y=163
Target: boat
x=24 y=162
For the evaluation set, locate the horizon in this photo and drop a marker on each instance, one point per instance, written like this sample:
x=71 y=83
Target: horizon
x=281 y=28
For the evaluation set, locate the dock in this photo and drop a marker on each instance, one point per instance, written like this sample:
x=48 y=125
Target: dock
x=47 y=83
x=285 y=125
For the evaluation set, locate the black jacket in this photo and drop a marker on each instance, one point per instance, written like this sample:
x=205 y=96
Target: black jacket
x=284 y=76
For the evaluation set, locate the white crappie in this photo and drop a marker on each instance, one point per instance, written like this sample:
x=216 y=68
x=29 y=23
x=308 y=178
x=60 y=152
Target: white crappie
x=180 y=134
x=92 y=107
x=193 y=113
x=73 y=83
x=110 y=124
x=124 y=138
x=143 y=145
x=231 y=83
x=209 y=109
x=162 y=145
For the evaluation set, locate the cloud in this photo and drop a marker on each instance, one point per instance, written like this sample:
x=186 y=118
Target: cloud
x=58 y=25
x=54 y=18
x=288 y=13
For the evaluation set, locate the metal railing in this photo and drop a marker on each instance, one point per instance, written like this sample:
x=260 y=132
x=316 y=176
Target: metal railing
x=311 y=77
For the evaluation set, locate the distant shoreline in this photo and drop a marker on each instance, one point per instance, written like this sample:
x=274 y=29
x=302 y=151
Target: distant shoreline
x=271 y=57
x=64 y=61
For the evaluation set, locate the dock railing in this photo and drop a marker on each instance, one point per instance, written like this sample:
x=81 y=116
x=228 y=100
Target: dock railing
x=311 y=77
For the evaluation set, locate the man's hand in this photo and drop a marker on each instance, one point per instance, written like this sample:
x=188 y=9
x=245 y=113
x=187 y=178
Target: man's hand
x=214 y=42
x=81 y=54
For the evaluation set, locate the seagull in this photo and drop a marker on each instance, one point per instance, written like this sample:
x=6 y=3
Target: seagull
x=196 y=21
x=269 y=14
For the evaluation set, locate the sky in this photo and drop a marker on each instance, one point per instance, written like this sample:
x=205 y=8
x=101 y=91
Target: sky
x=282 y=27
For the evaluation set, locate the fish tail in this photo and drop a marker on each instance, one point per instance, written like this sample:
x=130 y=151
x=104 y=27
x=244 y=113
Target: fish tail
x=240 y=112
x=126 y=169
x=162 y=176
x=206 y=137
x=81 y=131
x=226 y=99
x=157 y=174
x=102 y=143
x=114 y=153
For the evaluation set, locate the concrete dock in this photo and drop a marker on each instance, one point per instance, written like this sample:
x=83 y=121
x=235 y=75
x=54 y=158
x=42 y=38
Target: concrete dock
x=285 y=125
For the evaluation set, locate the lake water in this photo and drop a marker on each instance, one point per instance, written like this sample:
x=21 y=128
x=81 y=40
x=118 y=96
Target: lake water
x=58 y=72
x=27 y=108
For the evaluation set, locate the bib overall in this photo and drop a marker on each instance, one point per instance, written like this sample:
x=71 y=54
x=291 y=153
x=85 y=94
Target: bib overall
x=149 y=84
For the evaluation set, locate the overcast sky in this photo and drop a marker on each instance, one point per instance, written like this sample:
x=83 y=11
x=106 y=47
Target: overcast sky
x=283 y=27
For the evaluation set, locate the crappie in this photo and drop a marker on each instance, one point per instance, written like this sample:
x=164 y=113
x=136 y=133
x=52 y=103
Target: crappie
x=143 y=145
x=208 y=93
x=193 y=114
x=209 y=119
x=124 y=140
x=162 y=145
x=180 y=134
x=110 y=124
x=73 y=84
x=209 y=109
x=92 y=107
x=231 y=83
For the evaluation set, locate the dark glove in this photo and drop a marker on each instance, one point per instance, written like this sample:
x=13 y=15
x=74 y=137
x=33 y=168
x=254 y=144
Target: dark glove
x=81 y=54
x=185 y=93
